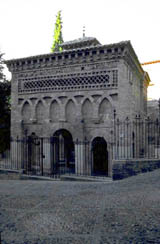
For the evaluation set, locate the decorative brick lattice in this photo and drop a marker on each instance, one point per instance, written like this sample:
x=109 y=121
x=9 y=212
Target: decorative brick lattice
x=78 y=81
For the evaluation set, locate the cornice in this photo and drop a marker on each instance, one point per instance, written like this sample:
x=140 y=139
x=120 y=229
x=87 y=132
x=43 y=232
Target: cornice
x=134 y=58
x=74 y=56
x=81 y=56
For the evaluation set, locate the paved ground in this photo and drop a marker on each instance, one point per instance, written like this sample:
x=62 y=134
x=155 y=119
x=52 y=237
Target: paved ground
x=41 y=212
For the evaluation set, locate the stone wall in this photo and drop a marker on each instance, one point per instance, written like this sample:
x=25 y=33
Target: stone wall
x=6 y=174
x=127 y=168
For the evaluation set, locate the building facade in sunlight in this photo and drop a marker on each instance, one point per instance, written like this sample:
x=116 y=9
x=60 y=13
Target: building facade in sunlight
x=76 y=94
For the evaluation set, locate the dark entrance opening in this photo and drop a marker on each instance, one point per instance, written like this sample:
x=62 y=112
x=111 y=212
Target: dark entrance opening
x=100 y=156
x=33 y=148
x=63 y=152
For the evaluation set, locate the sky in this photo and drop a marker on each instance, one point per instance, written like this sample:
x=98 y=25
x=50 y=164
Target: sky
x=27 y=27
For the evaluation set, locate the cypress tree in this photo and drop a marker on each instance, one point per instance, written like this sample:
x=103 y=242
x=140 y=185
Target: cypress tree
x=58 y=39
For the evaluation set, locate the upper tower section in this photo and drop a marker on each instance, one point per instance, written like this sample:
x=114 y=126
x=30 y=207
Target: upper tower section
x=83 y=64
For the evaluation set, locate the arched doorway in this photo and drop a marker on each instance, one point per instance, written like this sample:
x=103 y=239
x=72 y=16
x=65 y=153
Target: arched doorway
x=34 y=152
x=99 y=156
x=63 y=152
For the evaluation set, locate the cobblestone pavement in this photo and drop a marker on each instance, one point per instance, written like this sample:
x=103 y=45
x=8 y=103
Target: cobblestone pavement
x=41 y=212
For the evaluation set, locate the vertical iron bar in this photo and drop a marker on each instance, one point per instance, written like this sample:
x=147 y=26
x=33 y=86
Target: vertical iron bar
x=118 y=142
x=136 y=154
x=114 y=145
x=142 y=131
x=154 y=139
x=85 y=166
x=17 y=154
x=121 y=139
x=148 y=139
x=127 y=138
x=81 y=157
x=157 y=137
x=124 y=138
x=77 y=156
x=41 y=156
x=88 y=158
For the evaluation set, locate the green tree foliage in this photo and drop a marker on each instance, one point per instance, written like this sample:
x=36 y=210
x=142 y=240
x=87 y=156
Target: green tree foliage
x=5 y=90
x=58 y=39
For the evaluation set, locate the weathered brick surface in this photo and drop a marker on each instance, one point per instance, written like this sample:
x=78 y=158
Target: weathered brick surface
x=43 y=102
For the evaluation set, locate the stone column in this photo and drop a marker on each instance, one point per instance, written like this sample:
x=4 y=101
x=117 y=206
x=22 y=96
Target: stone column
x=82 y=157
x=47 y=150
x=79 y=157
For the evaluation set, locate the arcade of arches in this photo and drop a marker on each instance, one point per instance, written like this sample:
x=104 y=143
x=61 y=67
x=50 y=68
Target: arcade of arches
x=70 y=156
x=86 y=109
x=66 y=154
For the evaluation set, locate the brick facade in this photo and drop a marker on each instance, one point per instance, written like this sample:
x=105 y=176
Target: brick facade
x=78 y=90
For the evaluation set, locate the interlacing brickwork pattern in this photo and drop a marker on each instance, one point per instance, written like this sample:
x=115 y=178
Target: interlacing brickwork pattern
x=89 y=80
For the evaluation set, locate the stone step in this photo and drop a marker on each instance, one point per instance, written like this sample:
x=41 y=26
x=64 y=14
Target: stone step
x=86 y=178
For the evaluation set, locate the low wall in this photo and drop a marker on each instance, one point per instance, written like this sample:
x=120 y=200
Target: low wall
x=125 y=168
x=7 y=174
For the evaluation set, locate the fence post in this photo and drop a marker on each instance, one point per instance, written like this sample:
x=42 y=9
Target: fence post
x=42 y=155
x=114 y=149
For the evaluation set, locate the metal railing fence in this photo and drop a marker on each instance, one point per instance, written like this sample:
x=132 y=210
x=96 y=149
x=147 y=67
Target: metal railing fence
x=58 y=155
x=135 y=139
